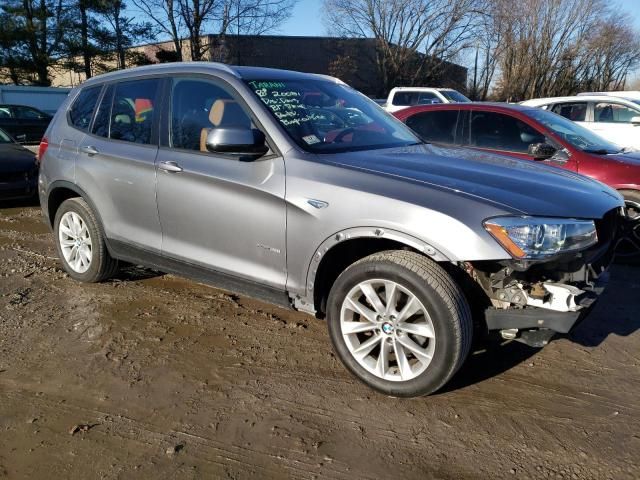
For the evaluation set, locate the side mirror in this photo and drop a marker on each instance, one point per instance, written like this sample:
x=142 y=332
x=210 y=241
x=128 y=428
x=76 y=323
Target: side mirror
x=635 y=121
x=240 y=142
x=541 y=151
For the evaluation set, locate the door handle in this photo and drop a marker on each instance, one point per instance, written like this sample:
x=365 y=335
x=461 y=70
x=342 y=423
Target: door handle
x=89 y=150
x=171 y=167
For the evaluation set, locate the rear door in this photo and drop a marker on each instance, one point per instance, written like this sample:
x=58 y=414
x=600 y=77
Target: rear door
x=116 y=162
x=217 y=211
x=435 y=126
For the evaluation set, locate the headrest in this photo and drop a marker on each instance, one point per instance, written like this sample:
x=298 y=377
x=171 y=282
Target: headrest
x=227 y=112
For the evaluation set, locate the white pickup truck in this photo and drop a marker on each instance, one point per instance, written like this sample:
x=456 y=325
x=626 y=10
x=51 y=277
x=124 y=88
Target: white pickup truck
x=403 y=97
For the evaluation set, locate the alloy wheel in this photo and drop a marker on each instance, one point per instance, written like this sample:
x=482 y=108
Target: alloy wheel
x=75 y=242
x=629 y=244
x=387 y=330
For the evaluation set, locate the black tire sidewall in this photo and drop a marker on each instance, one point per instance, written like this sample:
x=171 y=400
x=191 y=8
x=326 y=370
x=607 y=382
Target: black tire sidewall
x=447 y=329
x=96 y=269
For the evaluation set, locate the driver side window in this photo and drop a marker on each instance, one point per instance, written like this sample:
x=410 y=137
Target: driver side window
x=199 y=106
x=497 y=131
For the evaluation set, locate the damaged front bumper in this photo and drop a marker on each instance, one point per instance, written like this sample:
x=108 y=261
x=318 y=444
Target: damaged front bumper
x=532 y=302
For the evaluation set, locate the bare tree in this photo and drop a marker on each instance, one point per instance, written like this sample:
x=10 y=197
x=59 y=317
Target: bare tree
x=255 y=17
x=165 y=15
x=565 y=47
x=414 y=38
x=192 y=19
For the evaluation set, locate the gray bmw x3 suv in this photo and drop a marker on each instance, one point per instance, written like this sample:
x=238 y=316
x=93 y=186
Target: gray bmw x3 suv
x=296 y=189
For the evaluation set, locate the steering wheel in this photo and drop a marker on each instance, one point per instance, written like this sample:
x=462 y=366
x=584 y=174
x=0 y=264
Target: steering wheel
x=339 y=137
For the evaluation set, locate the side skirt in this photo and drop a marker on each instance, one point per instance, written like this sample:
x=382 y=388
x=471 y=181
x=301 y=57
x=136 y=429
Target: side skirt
x=140 y=256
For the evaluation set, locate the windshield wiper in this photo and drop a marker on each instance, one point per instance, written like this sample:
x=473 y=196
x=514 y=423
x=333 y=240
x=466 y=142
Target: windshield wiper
x=600 y=151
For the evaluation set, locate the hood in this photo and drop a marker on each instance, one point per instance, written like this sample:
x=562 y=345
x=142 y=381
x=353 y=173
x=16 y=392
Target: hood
x=630 y=158
x=522 y=186
x=15 y=158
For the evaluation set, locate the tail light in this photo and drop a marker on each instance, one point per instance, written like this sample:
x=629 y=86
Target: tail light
x=44 y=144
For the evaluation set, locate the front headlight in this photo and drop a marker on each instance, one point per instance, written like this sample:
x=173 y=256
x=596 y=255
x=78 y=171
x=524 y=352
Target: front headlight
x=534 y=238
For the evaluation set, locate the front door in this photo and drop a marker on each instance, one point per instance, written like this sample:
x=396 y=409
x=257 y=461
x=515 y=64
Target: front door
x=508 y=135
x=217 y=211
x=612 y=121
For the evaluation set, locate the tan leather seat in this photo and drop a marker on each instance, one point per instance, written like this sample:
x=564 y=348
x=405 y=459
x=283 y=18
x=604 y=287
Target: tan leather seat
x=224 y=113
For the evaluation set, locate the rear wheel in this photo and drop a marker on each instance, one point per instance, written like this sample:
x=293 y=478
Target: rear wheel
x=80 y=243
x=399 y=323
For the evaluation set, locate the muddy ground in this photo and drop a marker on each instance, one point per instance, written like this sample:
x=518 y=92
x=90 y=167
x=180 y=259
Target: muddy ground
x=151 y=376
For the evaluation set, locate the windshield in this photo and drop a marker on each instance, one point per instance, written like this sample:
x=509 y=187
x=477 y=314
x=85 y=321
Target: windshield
x=454 y=96
x=4 y=137
x=575 y=134
x=326 y=117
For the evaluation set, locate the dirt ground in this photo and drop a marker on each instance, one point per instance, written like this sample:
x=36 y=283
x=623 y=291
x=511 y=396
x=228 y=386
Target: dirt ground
x=151 y=376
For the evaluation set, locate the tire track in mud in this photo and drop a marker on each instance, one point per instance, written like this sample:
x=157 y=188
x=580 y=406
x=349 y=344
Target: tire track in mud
x=199 y=447
x=253 y=391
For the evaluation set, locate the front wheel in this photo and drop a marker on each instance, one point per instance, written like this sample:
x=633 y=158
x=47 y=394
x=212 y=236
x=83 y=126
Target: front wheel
x=399 y=323
x=629 y=244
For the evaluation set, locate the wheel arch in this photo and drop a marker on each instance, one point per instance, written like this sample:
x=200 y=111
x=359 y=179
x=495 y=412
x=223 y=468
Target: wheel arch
x=62 y=190
x=348 y=246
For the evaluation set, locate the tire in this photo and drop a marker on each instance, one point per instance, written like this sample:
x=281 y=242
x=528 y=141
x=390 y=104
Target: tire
x=76 y=225
x=629 y=247
x=441 y=311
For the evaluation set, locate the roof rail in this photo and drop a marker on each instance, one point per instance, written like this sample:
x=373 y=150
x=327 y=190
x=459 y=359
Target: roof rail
x=329 y=77
x=225 y=67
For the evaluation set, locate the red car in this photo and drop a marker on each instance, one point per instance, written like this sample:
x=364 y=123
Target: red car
x=532 y=134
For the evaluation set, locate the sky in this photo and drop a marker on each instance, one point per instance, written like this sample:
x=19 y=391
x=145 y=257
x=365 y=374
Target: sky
x=307 y=17
x=307 y=20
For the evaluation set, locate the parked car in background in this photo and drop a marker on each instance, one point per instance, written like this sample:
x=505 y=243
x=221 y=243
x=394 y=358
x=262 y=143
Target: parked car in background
x=532 y=134
x=299 y=190
x=18 y=170
x=45 y=99
x=403 y=97
x=614 y=118
x=628 y=94
x=25 y=124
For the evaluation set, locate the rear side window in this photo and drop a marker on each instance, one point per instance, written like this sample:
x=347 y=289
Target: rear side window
x=438 y=127
x=576 y=111
x=128 y=111
x=410 y=98
x=613 y=113
x=426 y=98
x=27 y=113
x=101 y=123
x=81 y=110
x=405 y=99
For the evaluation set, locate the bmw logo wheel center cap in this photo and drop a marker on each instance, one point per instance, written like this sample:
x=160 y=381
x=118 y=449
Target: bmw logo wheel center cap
x=387 y=328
